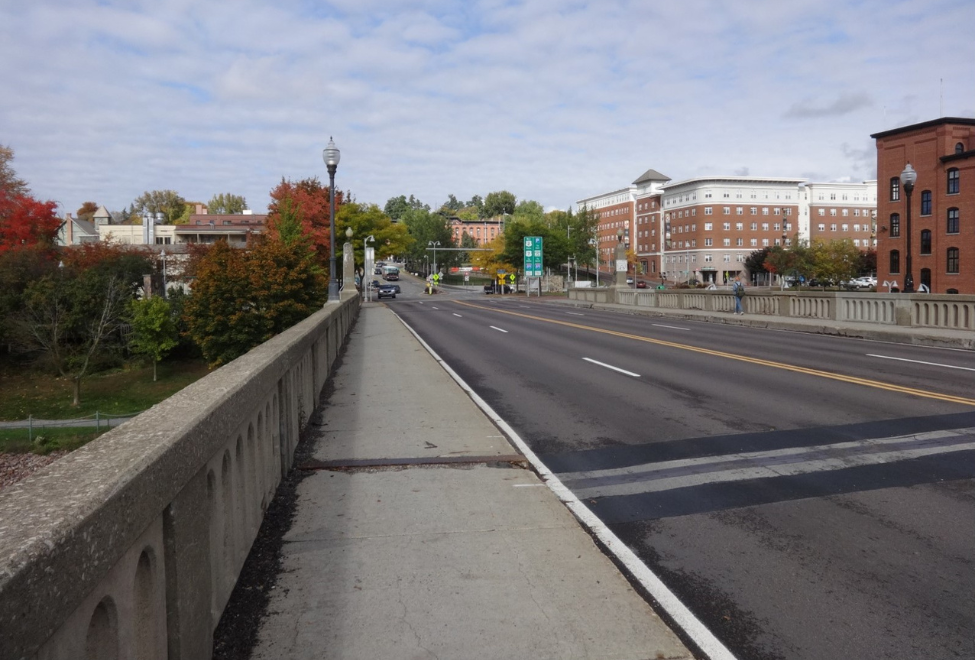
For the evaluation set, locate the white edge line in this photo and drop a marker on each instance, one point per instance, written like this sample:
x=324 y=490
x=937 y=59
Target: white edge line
x=609 y=366
x=930 y=364
x=682 y=616
x=490 y=326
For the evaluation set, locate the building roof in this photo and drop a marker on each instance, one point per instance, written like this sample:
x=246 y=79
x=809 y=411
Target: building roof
x=86 y=226
x=229 y=220
x=651 y=175
x=102 y=212
x=741 y=180
x=964 y=121
x=600 y=196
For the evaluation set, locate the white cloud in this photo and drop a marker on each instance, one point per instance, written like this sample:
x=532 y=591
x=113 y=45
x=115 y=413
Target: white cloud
x=554 y=101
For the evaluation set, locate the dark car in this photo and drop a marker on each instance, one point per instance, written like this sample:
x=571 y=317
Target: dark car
x=387 y=291
x=396 y=287
x=641 y=284
x=494 y=287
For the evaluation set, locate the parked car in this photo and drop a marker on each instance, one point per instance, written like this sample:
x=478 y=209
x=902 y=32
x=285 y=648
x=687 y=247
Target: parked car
x=387 y=291
x=865 y=282
x=494 y=287
x=641 y=284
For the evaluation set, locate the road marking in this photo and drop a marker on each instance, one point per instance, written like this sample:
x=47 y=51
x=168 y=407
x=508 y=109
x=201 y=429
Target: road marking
x=437 y=308
x=525 y=306
x=866 y=382
x=672 y=327
x=499 y=329
x=575 y=313
x=684 y=473
x=930 y=364
x=679 y=613
x=528 y=485
x=458 y=315
x=609 y=366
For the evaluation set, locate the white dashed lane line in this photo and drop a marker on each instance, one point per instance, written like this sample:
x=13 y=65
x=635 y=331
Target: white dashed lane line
x=609 y=366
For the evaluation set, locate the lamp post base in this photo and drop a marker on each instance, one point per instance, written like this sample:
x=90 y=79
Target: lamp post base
x=333 y=292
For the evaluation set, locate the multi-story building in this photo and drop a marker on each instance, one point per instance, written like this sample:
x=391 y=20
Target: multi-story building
x=704 y=228
x=835 y=211
x=712 y=224
x=481 y=230
x=937 y=247
x=200 y=228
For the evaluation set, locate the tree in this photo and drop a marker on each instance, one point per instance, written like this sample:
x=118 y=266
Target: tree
x=529 y=210
x=153 y=329
x=167 y=202
x=308 y=200
x=10 y=183
x=478 y=204
x=369 y=220
x=18 y=268
x=424 y=227
x=25 y=222
x=499 y=203
x=87 y=211
x=835 y=261
x=452 y=204
x=242 y=298
x=755 y=261
x=71 y=317
x=226 y=204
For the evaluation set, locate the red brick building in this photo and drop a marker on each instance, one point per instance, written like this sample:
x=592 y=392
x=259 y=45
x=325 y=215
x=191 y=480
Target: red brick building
x=942 y=152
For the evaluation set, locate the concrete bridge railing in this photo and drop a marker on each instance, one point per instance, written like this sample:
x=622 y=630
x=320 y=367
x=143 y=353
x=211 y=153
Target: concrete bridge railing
x=130 y=546
x=950 y=312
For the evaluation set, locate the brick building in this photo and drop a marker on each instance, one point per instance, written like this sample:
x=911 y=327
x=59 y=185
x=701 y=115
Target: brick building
x=942 y=153
x=482 y=231
x=834 y=211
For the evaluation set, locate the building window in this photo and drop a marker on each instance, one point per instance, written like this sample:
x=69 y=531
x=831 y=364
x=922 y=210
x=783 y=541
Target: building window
x=739 y=242
x=727 y=242
x=895 y=188
x=926 y=277
x=708 y=242
x=727 y=210
x=895 y=225
x=739 y=211
x=846 y=227
x=952 y=226
x=726 y=226
x=926 y=241
x=821 y=227
x=764 y=210
x=952 y=261
x=959 y=148
x=707 y=226
x=953 y=181
x=832 y=212
x=739 y=226
x=753 y=242
x=895 y=261
x=707 y=210
x=754 y=226
x=754 y=210
x=832 y=227
x=925 y=202
x=708 y=257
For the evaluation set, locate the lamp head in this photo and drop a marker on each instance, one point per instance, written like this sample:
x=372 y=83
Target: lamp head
x=331 y=154
x=908 y=177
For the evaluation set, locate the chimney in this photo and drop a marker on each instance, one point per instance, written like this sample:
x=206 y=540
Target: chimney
x=69 y=229
x=200 y=209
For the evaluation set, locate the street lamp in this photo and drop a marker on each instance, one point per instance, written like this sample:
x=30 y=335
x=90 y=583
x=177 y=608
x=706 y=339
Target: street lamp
x=908 y=177
x=435 y=245
x=365 y=289
x=331 y=157
x=162 y=253
x=426 y=266
x=595 y=243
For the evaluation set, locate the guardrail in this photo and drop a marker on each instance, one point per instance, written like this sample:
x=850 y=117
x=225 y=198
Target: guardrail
x=130 y=546
x=952 y=312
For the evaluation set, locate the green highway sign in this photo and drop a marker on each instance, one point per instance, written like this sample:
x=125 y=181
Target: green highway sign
x=533 y=256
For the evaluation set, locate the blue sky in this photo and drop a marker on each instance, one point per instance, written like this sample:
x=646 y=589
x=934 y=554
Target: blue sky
x=553 y=101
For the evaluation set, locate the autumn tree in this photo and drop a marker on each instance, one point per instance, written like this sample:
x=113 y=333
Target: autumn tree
x=153 y=329
x=226 y=204
x=242 y=298
x=25 y=221
x=308 y=199
x=87 y=211
x=10 y=183
x=167 y=202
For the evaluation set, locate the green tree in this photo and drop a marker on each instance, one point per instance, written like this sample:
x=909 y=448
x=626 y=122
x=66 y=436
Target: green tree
x=424 y=227
x=478 y=204
x=836 y=261
x=226 y=204
x=167 y=202
x=499 y=203
x=755 y=261
x=153 y=329
x=529 y=210
x=452 y=204
x=389 y=238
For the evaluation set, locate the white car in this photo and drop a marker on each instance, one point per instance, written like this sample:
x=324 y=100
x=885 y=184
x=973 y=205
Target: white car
x=864 y=282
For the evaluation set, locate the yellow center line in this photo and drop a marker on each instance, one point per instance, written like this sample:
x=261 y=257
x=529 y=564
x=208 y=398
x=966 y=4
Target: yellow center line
x=741 y=358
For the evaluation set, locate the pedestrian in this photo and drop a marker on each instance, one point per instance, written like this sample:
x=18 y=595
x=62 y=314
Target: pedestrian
x=738 y=289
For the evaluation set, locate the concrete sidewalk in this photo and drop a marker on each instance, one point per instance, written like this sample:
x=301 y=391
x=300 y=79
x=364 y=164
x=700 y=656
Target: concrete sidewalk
x=434 y=540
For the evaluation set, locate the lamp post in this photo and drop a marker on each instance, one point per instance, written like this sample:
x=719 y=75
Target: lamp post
x=162 y=253
x=435 y=245
x=426 y=266
x=595 y=243
x=331 y=157
x=908 y=177
x=365 y=289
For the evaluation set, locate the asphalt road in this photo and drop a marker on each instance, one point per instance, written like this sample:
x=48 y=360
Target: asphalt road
x=806 y=496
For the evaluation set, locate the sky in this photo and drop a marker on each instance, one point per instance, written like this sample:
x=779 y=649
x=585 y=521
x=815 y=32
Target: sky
x=554 y=101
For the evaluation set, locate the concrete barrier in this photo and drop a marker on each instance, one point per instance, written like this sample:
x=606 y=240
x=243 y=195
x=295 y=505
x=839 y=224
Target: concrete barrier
x=949 y=312
x=130 y=546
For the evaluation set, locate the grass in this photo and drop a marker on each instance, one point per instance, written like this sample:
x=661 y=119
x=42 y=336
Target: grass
x=45 y=440
x=116 y=392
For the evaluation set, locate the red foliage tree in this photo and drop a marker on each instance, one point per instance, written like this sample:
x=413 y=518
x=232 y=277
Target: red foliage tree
x=308 y=198
x=25 y=221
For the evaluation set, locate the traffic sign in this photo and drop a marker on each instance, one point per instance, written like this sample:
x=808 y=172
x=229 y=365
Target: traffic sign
x=512 y=278
x=533 y=256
